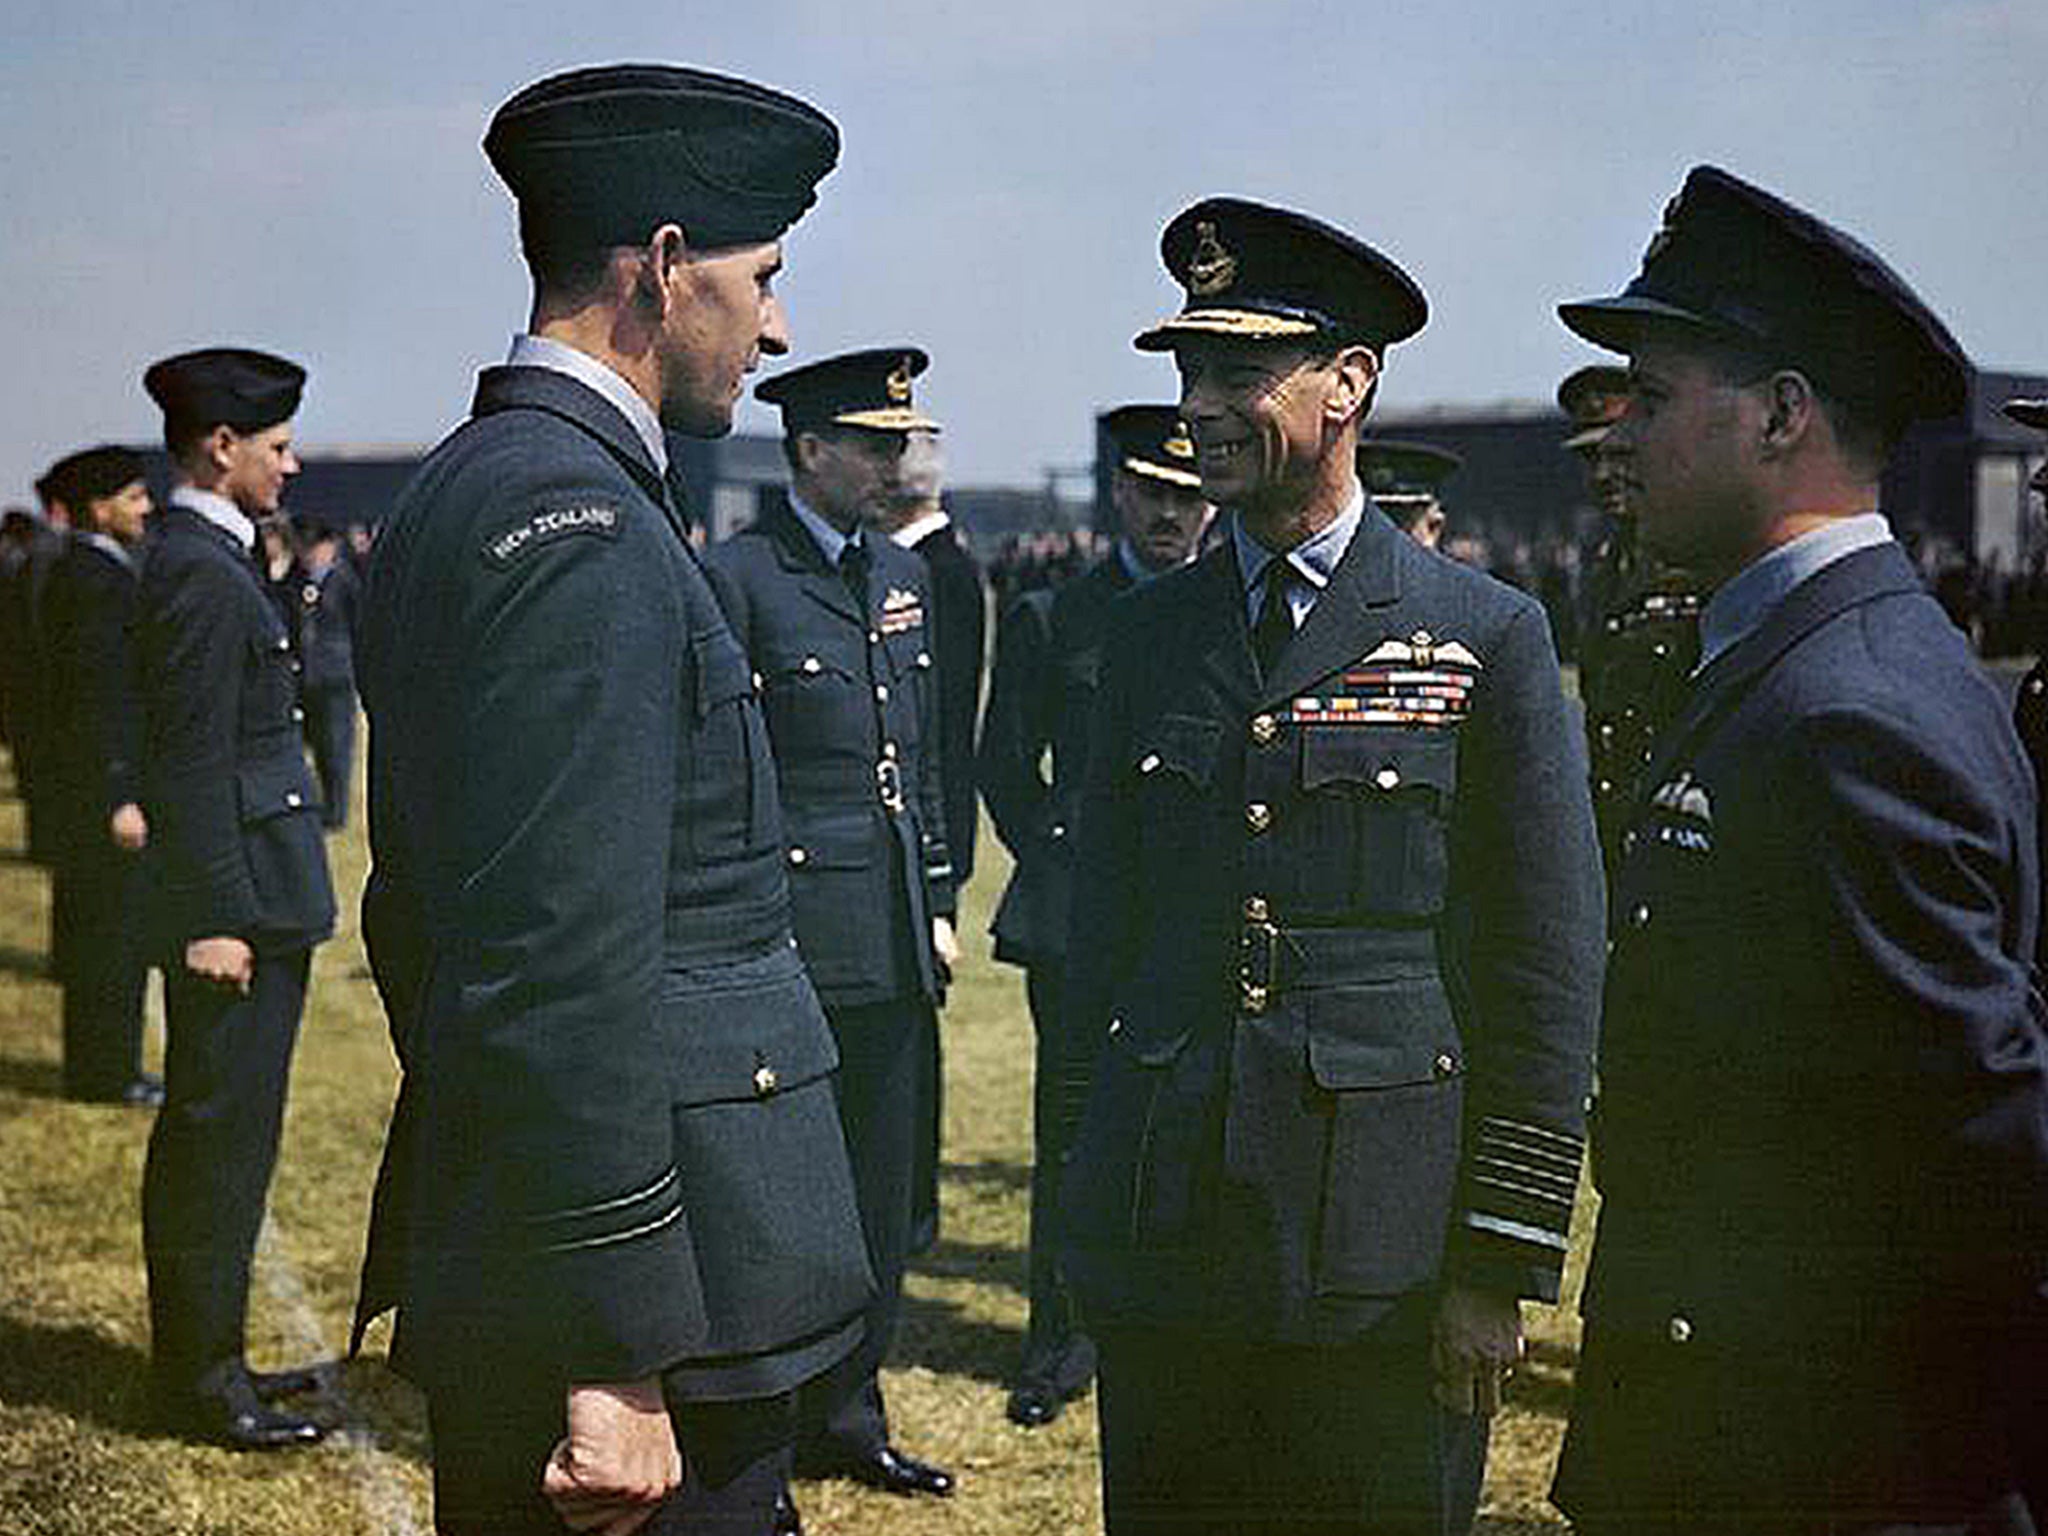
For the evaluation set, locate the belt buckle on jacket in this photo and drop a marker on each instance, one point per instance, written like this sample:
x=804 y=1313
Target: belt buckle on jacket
x=1257 y=960
x=889 y=778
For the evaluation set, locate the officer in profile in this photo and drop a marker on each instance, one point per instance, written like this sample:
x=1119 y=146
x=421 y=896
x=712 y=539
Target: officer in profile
x=836 y=622
x=1334 y=948
x=1641 y=636
x=1405 y=481
x=1823 y=1143
x=615 y=1212
x=95 y=762
x=1034 y=743
x=238 y=884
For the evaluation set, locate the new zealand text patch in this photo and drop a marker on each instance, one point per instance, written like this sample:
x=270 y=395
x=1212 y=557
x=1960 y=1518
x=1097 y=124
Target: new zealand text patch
x=549 y=524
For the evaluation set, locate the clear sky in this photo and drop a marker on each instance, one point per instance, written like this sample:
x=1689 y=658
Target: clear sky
x=307 y=178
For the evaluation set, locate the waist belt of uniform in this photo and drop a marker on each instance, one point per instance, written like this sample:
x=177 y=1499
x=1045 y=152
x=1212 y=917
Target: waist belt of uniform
x=1273 y=960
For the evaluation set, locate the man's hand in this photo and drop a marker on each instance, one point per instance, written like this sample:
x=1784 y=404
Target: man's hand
x=1477 y=1342
x=129 y=828
x=618 y=1461
x=224 y=959
x=945 y=943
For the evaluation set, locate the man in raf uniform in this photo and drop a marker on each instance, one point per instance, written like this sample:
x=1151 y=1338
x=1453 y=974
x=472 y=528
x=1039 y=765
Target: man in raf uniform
x=94 y=762
x=2030 y=712
x=615 y=1211
x=327 y=595
x=1041 y=697
x=834 y=619
x=1641 y=637
x=1821 y=1148
x=1335 y=932
x=238 y=885
x=1405 y=481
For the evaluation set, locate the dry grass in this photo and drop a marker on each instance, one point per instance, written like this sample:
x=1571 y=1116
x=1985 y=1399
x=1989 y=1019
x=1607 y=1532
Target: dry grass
x=77 y=1455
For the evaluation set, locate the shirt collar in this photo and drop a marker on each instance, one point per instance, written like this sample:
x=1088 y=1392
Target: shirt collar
x=217 y=510
x=529 y=351
x=1314 y=560
x=921 y=525
x=830 y=541
x=1745 y=600
x=111 y=547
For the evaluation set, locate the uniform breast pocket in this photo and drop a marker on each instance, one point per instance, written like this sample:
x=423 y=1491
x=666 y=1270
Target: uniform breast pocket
x=272 y=675
x=1385 y=1055
x=1384 y=796
x=814 y=703
x=731 y=800
x=1173 y=766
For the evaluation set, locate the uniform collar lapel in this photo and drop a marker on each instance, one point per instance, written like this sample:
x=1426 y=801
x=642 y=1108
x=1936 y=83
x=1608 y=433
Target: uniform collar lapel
x=543 y=389
x=1227 y=653
x=1340 y=625
x=798 y=553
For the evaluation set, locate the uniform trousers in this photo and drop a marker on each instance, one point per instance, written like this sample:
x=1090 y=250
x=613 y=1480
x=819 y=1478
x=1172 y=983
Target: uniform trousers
x=492 y=1441
x=331 y=733
x=211 y=1154
x=1211 y=1433
x=98 y=893
x=882 y=1048
x=1058 y=1356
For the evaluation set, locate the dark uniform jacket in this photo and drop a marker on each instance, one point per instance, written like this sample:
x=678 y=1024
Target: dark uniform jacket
x=2030 y=719
x=959 y=625
x=327 y=622
x=1338 y=934
x=1042 y=697
x=95 y=740
x=615 y=1149
x=853 y=711
x=24 y=657
x=1820 y=1145
x=234 y=825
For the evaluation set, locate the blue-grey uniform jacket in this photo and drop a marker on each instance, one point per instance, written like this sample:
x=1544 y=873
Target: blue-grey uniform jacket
x=1338 y=935
x=327 y=624
x=235 y=846
x=615 y=1149
x=1822 y=1118
x=95 y=741
x=853 y=710
x=1041 y=699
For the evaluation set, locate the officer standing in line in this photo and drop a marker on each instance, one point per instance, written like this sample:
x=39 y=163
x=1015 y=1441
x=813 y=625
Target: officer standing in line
x=836 y=623
x=1823 y=1147
x=94 y=765
x=1048 y=659
x=238 y=884
x=1641 y=637
x=28 y=660
x=1335 y=937
x=615 y=1211
x=1405 y=481
x=327 y=595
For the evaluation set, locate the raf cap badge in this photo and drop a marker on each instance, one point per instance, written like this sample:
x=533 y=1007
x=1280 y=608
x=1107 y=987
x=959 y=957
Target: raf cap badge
x=898 y=383
x=1211 y=267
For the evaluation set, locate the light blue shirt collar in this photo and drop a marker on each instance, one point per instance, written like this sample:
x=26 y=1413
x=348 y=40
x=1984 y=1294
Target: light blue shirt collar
x=111 y=547
x=530 y=351
x=830 y=541
x=1745 y=600
x=217 y=510
x=1314 y=559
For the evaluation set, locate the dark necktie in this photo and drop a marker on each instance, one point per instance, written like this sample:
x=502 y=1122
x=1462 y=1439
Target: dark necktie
x=853 y=570
x=1275 y=626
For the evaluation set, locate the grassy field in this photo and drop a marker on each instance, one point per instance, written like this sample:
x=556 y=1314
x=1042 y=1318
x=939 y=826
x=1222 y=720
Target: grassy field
x=78 y=1456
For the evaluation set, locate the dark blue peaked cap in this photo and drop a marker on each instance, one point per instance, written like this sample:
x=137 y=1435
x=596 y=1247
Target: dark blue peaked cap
x=606 y=156
x=1746 y=267
x=225 y=386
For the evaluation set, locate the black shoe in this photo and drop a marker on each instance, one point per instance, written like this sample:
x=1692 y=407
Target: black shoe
x=893 y=1472
x=301 y=1382
x=145 y=1092
x=243 y=1424
x=787 y=1521
x=1033 y=1405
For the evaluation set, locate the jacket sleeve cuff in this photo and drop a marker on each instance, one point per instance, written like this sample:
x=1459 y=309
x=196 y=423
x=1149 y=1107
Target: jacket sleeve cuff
x=1515 y=1216
x=619 y=1282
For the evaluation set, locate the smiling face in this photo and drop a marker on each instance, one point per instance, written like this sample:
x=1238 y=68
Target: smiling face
x=1261 y=416
x=254 y=466
x=722 y=318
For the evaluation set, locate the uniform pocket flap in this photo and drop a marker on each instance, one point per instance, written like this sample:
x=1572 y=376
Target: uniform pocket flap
x=722 y=672
x=1382 y=1034
x=747 y=1043
x=277 y=786
x=846 y=840
x=1386 y=761
x=1184 y=745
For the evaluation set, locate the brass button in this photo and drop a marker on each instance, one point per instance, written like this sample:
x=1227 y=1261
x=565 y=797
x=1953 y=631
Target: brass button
x=798 y=855
x=1258 y=816
x=757 y=682
x=1446 y=1064
x=1639 y=915
x=881 y=693
x=1387 y=777
x=283 y=644
x=888 y=751
x=1059 y=829
x=1264 y=729
x=2035 y=684
x=1255 y=999
x=812 y=664
x=1660 y=650
x=1116 y=1026
x=298 y=715
x=1681 y=1330
x=1149 y=763
x=765 y=1080
x=1255 y=910
x=1628 y=841
x=1604 y=787
x=874 y=637
x=924 y=658
x=1614 y=626
x=293 y=799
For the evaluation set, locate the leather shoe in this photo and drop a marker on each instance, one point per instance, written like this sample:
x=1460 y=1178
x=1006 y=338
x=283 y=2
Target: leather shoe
x=893 y=1472
x=247 y=1426
x=298 y=1382
x=1033 y=1405
x=145 y=1092
x=787 y=1521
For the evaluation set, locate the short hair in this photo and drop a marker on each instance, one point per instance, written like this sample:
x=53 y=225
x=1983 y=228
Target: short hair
x=566 y=264
x=1866 y=429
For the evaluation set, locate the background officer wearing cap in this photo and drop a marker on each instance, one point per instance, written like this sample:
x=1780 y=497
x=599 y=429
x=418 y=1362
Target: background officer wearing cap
x=615 y=1211
x=94 y=768
x=1335 y=932
x=1041 y=697
x=835 y=621
x=1821 y=1146
x=1641 y=636
x=1405 y=481
x=326 y=595
x=238 y=885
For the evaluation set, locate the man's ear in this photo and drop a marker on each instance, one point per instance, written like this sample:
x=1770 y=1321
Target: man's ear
x=808 y=447
x=661 y=260
x=1789 y=409
x=1355 y=369
x=218 y=446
